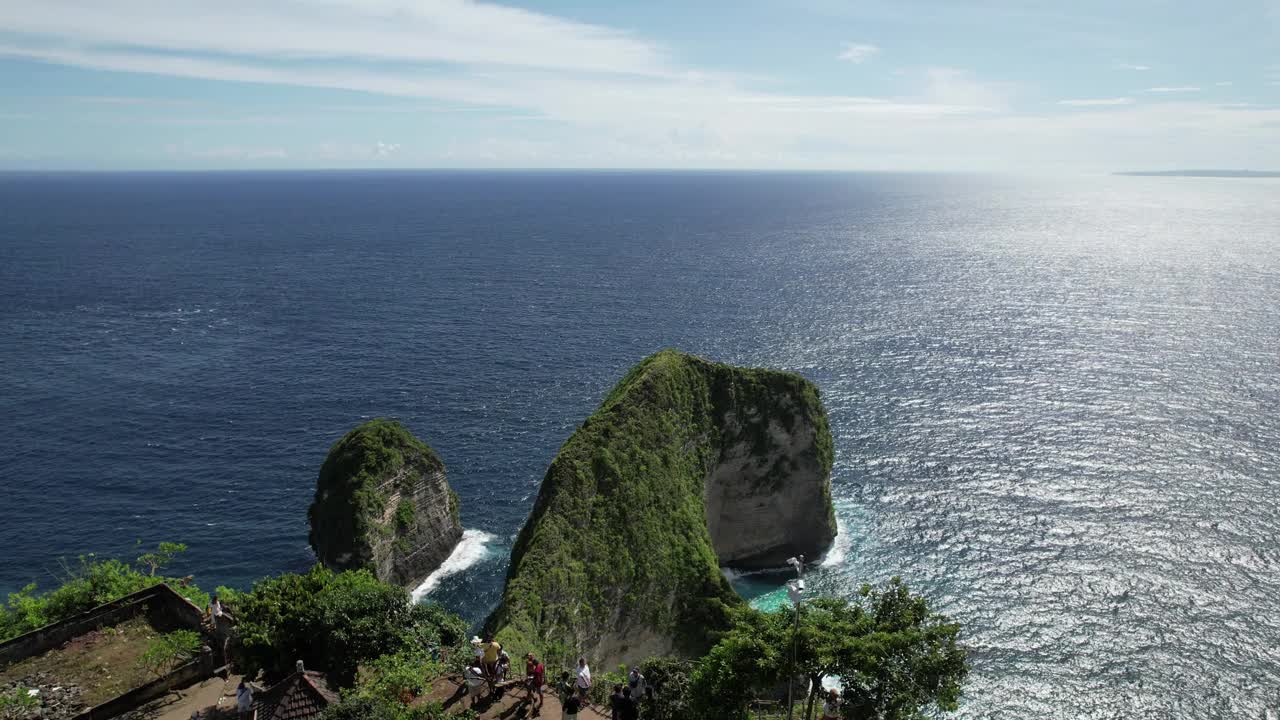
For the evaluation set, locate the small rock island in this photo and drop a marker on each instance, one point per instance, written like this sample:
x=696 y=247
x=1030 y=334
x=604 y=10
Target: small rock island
x=383 y=503
x=686 y=466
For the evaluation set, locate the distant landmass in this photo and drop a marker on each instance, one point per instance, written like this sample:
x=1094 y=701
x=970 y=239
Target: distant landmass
x=1206 y=173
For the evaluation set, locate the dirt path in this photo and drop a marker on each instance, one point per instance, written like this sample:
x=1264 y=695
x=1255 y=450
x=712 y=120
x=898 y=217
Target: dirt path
x=213 y=699
x=510 y=706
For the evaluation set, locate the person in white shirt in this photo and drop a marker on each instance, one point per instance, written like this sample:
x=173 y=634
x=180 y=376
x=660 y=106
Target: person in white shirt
x=474 y=678
x=583 y=683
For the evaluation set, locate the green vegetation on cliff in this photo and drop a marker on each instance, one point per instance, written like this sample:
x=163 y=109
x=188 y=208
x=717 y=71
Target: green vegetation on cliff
x=618 y=536
x=352 y=525
x=336 y=622
x=90 y=582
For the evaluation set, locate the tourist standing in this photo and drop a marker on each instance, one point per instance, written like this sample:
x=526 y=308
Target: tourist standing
x=638 y=684
x=535 y=675
x=831 y=706
x=474 y=678
x=564 y=689
x=504 y=665
x=584 y=678
x=615 y=703
x=571 y=708
x=492 y=648
x=244 y=699
x=630 y=705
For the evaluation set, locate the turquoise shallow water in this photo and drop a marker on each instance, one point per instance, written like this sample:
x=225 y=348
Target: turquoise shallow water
x=1055 y=403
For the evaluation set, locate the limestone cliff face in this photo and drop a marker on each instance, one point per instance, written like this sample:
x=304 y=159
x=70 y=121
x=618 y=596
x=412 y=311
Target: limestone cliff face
x=382 y=502
x=686 y=466
x=768 y=497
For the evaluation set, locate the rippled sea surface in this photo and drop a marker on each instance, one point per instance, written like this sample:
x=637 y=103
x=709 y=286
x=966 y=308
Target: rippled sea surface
x=1056 y=403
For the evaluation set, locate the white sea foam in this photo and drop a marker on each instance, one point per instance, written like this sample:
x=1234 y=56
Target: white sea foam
x=471 y=549
x=840 y=548
x=732 y=574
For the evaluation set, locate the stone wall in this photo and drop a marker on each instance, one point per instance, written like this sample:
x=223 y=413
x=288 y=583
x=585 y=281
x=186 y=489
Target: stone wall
x=164 y=609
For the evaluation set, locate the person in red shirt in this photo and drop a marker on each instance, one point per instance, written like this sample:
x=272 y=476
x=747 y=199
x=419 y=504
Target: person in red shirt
x=535 y=678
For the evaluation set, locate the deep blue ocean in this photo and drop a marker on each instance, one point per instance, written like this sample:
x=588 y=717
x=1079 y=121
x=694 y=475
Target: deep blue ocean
x=1056 y=403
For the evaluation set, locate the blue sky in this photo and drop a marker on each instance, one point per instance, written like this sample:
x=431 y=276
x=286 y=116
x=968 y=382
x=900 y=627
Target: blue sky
x=988 y=85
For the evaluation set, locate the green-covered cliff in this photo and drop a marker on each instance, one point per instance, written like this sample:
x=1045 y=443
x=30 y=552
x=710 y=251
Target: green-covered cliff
x=686 y=465
x=383 y=503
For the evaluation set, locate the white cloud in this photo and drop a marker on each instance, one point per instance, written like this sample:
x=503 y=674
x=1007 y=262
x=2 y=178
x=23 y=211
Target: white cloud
x=1097 y=102
x=1224 y=83
x=227 y=153
x=956 y=87
x=451 y=31
x=858 y=53
x=1138 y=68
x=608 y=97
x=1174 y=89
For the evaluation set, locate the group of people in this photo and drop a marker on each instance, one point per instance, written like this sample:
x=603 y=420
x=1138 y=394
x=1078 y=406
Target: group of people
x=491 y=665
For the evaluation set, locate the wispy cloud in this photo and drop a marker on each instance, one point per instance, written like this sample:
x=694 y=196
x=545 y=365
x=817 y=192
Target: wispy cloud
x=1130 y=66
x=227 y=153
x=1097 y=102
x=957 y=87
x=449 y=31
x=858 y=53
x=1224 y=83
x=608 y=97
x=1174 y=89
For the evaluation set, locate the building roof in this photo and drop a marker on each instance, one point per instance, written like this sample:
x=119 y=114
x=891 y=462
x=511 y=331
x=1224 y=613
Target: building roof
x=301 y=696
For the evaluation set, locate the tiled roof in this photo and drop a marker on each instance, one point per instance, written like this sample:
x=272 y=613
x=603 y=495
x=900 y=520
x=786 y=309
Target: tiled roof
x=301 y=696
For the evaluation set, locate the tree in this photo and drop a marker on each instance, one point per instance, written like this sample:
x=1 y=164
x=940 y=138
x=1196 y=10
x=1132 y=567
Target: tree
x=335 y=622
x=895 y=657
x=163 y=555
x=749 y=659
x=901 y=657
x=668 y=680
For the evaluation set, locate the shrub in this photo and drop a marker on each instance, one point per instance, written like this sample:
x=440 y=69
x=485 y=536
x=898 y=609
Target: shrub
x=18 y=703
x=170 y=650
x=602 y=687
x=335 y=622
x=89 y=583
x=668 y=678
x=406 y=513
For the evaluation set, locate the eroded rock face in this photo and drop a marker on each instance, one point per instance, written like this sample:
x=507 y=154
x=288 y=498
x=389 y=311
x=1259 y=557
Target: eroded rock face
x=383 y=503
x=766 y=505
x=686 y=466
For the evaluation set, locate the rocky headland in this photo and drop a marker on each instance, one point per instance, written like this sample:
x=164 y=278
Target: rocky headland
x=687 y=465
x=383 y=503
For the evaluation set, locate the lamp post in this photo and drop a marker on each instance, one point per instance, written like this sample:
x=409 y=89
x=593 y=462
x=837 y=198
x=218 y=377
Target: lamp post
x=795 y=593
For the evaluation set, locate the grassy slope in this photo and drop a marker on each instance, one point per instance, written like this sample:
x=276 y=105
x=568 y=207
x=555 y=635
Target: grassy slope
x=351 y=473
x=619 y=528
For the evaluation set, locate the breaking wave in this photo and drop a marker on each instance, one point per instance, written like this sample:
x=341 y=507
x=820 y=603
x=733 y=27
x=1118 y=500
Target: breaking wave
x=471 y=549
